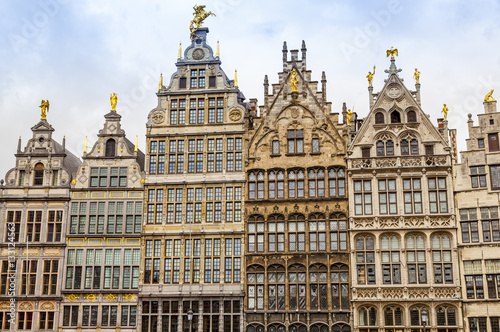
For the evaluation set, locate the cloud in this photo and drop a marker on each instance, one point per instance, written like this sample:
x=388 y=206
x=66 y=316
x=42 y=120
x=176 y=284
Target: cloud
x=80 y=52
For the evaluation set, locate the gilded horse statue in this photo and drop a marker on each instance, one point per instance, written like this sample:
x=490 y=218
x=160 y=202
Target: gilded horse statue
x=199 y=16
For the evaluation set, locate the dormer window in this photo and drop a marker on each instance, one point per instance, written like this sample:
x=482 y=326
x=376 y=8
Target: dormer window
x=110 y=148
x=379 y=118
x=411 y=116
x=395 y=117
x=38 y=181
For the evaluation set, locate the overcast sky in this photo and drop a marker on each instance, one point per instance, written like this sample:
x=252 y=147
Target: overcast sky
x=75 y=53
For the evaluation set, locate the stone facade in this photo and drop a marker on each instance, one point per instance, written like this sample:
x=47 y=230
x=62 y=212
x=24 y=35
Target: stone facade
x=34 y=204
x=404 y=260
x=103 y=238
x=296 y=254
x=476 y=195
x=194 y=192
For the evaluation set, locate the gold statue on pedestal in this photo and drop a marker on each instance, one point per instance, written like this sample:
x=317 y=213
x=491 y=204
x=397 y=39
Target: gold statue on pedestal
x=349 y=116
x=114 y=99
x=370 y=76
x=393 y=51
x=416 y=76
x=489 y=96
x=45 y=108
x=294 y=82
x=199 y=16
x=445 y=111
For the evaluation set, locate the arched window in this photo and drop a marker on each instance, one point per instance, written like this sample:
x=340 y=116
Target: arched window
x=256 y=328
x=296 y=183
x=445 y=316
x=276 y=328
x=380 y=148
x=441 y=259
x=316 y=180
x=256 y=233
x=296 y=232
x=409 y=145
x=336 y=182
x=38 y=181
x=297 y=328
x=367 y=316
x=385 y=146
x=317 y=232
x=297 y=286
x=276 y=184
x=419 y=316
x=255 y=282
x=379 y=118
x=318 y=279
x=393 y=316
x=391 y=267
x=365 y=258
x=110 y=148
x=256 y=185
x=415 y=258
x=276 y=233
x=340 y=286
x=411 y=116
x=319 y=328
x=276 y=286
x=338 y=232
x=395 y=117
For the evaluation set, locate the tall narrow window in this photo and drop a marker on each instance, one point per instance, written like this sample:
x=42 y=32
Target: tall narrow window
x=438 y=195
x=110 y=148
x=412 y=195
x=493 y=142
x=336 y=182
x=365 y=260
x=391 y=267
x=474 y=279
x=296 y=183
x=441 y=258
x=387 y=196
x=297 y=286
x=415 y=257
x=295 y=141
x=340 y=286
x=362 y=197
x=276 y=287
x=38 y=174
x=318 y=286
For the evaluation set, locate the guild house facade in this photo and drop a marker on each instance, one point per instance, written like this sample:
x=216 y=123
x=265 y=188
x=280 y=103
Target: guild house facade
x=296 y=250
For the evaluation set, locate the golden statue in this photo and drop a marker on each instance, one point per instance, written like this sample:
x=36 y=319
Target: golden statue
x=370 y=76
x=294 y=81
x=445 y=111
x=393 y=51
x=416 y=76
x=199 y=16
x=489 y=97
x=349 y=115
x=114 y=100
x=45 y=108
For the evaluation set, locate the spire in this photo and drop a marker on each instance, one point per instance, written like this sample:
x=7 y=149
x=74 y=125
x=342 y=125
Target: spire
x=304 y=50
x=161 y=82
x=85 y=146
x=180 y=50
x=266 y=85
x=235 y=78
x=217 y=51
x=285 y=52
x=19 y=145
x=323 y=85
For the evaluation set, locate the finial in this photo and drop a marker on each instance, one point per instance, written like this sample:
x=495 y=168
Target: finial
x=85 y=146
x=217 y=52
x=199 y=16
x=370 y=76
x=45 y=108
x=489 y=96
x=416 y=76
x=161 y=81
x=135 y=147
x=393 y=51
x=114 y=99
x=235 y=78
x=180 y=50
x=445 y=111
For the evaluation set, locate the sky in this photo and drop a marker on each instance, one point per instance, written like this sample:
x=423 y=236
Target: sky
x=76 y=53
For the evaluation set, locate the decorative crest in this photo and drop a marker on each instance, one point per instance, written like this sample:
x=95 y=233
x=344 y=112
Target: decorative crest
x=487 y=98
x=45 y=108
x=199 y=16
x=393 y=51
x=114 y=99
